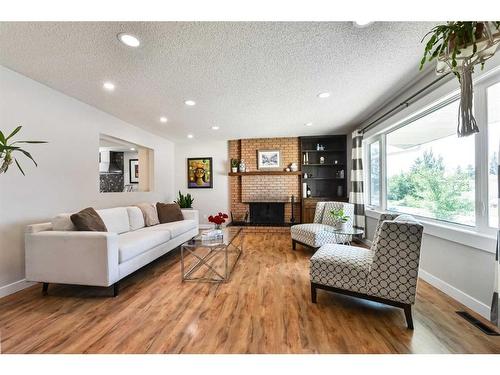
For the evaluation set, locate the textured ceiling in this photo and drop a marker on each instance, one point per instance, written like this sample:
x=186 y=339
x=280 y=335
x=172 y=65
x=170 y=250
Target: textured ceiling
x=252 y=79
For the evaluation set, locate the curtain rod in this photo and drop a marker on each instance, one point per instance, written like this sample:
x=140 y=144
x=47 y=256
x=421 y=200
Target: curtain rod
x=404 y=103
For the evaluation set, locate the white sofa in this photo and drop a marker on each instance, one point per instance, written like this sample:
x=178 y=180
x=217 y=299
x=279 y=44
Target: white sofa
x=57 y=253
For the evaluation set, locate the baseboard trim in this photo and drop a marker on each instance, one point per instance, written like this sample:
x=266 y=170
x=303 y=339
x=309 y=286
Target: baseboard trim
x=472 y=303
x=14 y=287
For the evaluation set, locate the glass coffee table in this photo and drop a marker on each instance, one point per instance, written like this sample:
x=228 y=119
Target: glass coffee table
x=211 y=260
x=344 y=235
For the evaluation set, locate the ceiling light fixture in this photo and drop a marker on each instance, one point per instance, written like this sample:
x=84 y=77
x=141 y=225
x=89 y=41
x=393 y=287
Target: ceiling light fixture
x=163 y=119
x=132 y=149
x=362 y=23
x=190 y=136
x=308 y=124
x=215 y=127
x=128 y=40
x=189 y=102
x=324 y=95
x=108 y=86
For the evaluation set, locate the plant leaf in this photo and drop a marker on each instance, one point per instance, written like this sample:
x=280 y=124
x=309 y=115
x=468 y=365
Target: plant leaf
x=2 y=138
x=28 y=155
x=14 y=132
x=19 y=166
x=29 y=142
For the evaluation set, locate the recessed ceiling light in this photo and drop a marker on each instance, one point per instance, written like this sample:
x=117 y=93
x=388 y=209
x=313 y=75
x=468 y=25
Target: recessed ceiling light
x=324 y=95
x=128 y=40
x=163 y=119
x=190 y=136
x=362 y=23
x=189 y=102
x=132 y=149
x=308 y=124
x=109 y=86
x=215 y=127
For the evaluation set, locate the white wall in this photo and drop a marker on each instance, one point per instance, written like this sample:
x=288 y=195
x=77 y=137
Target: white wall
x=207 y=201
x=67 y=178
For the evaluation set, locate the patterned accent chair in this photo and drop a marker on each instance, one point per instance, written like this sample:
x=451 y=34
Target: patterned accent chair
x=386 y=273
x=319 y=232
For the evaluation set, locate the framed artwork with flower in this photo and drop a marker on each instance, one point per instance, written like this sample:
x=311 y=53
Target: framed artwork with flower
x=200 y=175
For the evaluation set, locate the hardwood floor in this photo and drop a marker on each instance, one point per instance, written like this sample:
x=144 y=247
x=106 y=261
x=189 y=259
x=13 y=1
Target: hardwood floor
x=264 y=308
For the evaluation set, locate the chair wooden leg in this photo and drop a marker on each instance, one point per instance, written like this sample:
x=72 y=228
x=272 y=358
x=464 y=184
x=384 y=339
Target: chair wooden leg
x=314 y=295
x=294 y=245
x=409 y=319
x=45 y=288
x=116 y=289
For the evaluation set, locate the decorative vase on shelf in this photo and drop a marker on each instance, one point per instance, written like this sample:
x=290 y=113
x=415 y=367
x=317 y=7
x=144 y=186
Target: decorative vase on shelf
x=340 y=191
x=242 y=166
x=234 y=169
x=294 y=167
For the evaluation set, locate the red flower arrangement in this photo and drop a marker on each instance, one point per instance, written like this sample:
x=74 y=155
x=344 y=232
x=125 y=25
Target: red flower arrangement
x=218 y=219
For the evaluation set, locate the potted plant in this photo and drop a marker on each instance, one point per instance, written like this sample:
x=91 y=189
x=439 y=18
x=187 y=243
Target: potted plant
x=234 y=165
x=457 y=46
x=185 y=201
x=8 y=148
x=339 y=218
x=218 y=220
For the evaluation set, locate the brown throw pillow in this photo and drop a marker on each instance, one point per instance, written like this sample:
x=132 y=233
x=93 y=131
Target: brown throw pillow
x=149 y=213
x=168 y=212
x=88 y=220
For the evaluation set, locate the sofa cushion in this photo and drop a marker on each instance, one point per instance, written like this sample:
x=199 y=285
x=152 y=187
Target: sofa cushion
x=88 y=220
x=340 y=266
x=316 y=235
x=132 y=244
x=169 y=212
x=135 y=218
x=116 y=219
x=149 y=213
x=63 y=222
x=176 y=228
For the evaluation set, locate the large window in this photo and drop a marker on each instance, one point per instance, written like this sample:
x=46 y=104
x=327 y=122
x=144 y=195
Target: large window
x=493 y=95
x=430 y=172
x=420 y=166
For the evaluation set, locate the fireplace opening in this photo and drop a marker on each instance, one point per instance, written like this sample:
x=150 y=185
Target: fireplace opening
x=270 y=213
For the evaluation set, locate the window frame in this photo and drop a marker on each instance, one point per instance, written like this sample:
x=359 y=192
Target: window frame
x=438 y=99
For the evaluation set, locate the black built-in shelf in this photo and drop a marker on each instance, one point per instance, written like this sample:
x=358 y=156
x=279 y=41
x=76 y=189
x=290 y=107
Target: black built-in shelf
x=324 y=178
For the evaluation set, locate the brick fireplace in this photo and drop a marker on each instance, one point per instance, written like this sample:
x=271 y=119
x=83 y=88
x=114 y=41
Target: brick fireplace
x=264 y=188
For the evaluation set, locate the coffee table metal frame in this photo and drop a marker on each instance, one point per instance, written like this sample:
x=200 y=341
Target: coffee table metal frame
x=234 y=244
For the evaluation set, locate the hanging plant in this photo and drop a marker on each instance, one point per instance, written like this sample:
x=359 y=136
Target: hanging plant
x=457 y=47
x=8 y=148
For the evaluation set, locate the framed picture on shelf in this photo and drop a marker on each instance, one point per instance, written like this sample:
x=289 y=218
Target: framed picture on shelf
x=268 y=159
x=133 y=171
x=199 y=173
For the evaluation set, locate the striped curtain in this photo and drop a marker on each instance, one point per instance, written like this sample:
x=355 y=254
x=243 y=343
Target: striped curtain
x=357 y=196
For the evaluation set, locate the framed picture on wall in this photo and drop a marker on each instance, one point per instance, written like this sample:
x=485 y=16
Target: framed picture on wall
x=268 y=159
x=133 y=168
x=199 y=173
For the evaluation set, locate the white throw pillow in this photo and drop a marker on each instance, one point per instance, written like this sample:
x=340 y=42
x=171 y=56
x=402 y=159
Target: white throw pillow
x=63 y=222
x=405 y=218
x=135 y=218
x=115 y=219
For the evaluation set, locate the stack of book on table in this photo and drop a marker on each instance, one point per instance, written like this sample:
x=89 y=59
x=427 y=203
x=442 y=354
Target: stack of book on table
x=211 y=236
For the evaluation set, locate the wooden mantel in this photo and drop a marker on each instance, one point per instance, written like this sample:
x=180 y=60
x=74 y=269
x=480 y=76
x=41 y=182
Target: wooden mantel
x=265 y=173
